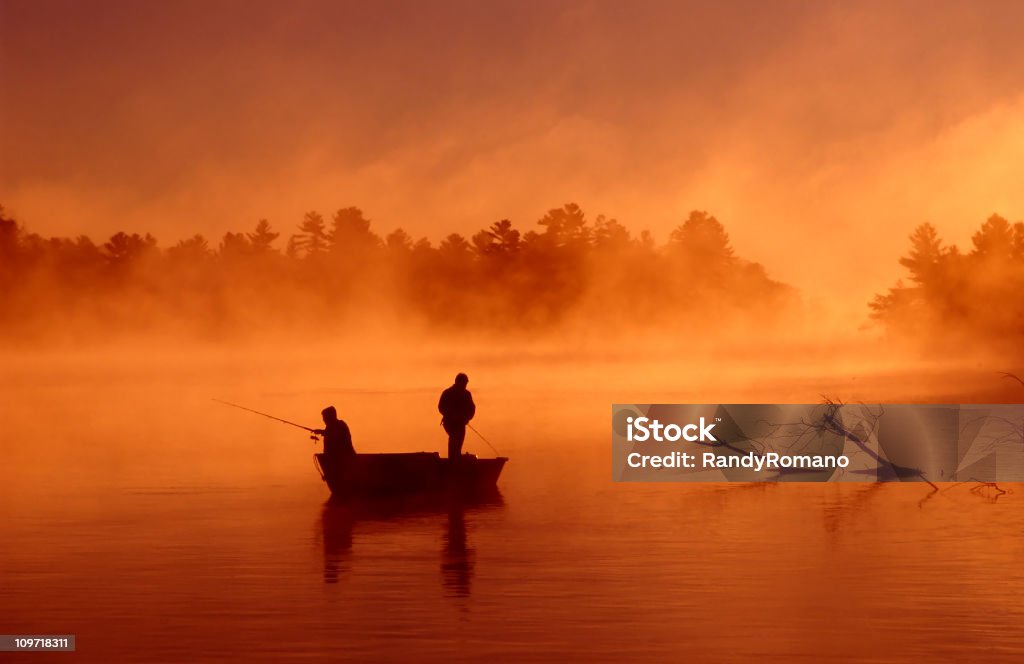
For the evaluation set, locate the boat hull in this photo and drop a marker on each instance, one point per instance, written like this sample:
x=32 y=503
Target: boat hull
x=413 y=472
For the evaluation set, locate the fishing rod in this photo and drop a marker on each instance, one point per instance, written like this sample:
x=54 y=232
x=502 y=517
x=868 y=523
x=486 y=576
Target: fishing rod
x=483 y=439
x=235 y=405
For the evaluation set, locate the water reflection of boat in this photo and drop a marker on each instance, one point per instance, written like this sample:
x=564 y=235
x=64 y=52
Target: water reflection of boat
x=341 y=516
x=414 y=472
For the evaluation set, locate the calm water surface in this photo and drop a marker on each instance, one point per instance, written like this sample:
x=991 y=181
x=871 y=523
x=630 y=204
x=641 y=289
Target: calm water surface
x=219 y=544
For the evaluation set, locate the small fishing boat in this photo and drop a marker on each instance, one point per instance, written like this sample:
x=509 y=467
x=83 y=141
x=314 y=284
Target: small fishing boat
x=410 y=472
x=356 y=475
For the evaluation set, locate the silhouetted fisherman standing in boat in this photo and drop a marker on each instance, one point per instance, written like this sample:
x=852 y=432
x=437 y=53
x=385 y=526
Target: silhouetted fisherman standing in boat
x=337 y=438
x=457 y=409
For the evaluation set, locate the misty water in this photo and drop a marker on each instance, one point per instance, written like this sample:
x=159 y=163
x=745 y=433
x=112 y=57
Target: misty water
x=157 y=525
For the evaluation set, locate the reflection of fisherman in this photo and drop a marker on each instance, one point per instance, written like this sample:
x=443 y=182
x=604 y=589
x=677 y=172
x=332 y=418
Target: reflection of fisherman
x=457 y=557
x=337 y=522
x=457 y=409
x=337 y=438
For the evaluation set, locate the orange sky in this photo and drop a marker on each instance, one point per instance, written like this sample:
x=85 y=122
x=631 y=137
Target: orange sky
x=819 y=133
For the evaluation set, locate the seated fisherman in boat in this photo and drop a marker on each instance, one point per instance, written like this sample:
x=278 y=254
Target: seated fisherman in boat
x=337 y=438
x=457 y=409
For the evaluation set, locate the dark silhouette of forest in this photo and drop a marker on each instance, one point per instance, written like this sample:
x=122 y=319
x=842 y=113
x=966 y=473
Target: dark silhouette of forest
x=337 y=273
x=333 y=272
x=957 y=296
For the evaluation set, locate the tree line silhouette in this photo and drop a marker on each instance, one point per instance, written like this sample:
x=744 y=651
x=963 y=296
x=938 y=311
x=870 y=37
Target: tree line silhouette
x=329 y=272
x=953 y=295
x=332 y=272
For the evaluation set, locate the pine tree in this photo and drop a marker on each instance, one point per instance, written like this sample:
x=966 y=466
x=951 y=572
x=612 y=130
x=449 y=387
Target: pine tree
x=262 y=238
x=311 y=240
x=925 y=253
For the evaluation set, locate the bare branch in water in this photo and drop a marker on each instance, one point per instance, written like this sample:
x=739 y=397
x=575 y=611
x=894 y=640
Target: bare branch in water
x=1006 y=374
x=830 y=422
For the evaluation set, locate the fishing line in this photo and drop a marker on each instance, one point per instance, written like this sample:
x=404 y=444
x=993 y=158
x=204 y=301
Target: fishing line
x=483 y=439
x=235 y=405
